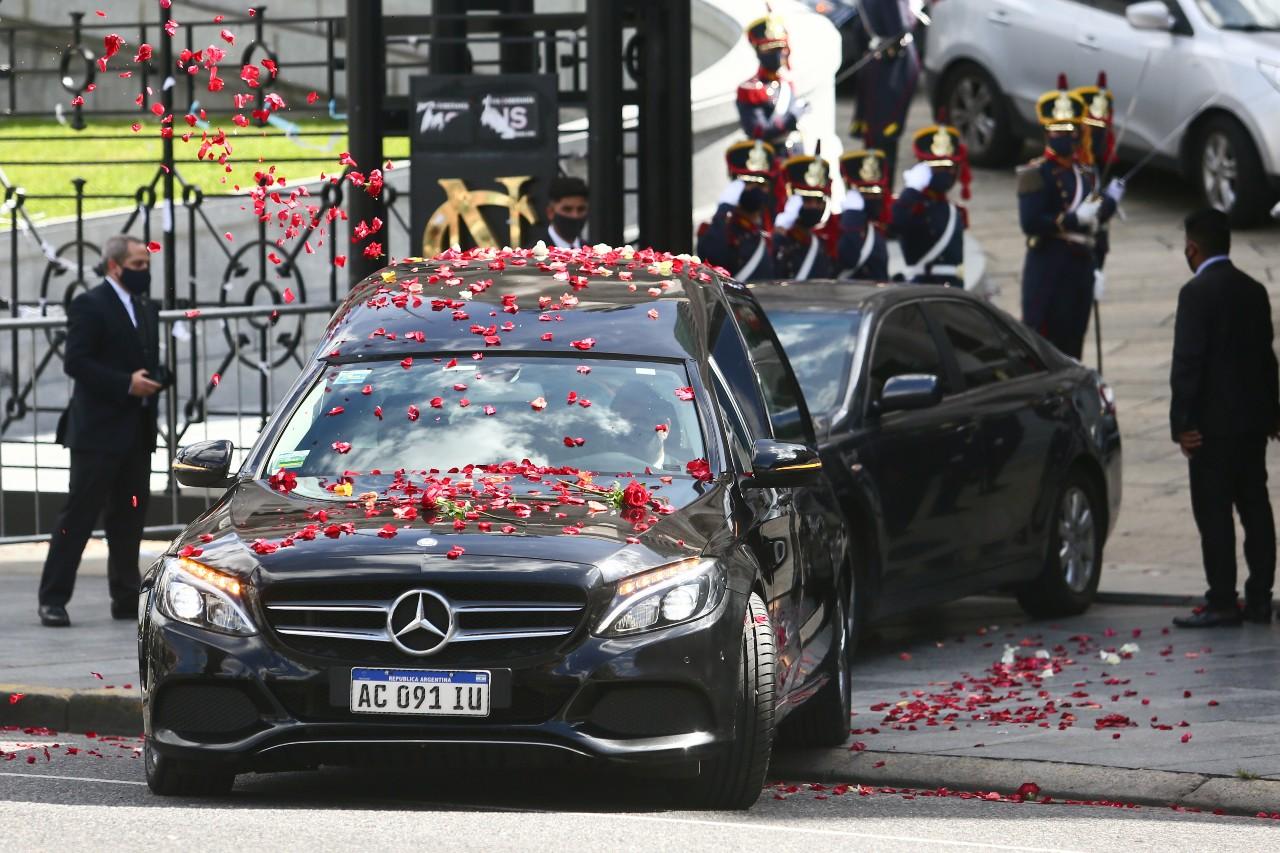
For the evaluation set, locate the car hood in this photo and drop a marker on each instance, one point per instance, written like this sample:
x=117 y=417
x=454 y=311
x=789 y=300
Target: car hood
x=1251 y=46
x=251 y=512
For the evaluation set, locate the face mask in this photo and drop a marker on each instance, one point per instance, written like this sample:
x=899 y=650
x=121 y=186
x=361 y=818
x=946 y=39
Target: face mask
x=771 y=60
x=874 y=208
x=809 y=217
x=1063 y=146
x=753 y=198
x=137 y=282
x=942 y=181
x=568 y=227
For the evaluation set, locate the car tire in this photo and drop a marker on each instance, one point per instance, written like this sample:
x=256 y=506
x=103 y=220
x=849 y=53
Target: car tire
x=1227 y=169
x=1072 y=566
x=978 y=108
x=823 y=720
x=735 y=778
x=170 y=777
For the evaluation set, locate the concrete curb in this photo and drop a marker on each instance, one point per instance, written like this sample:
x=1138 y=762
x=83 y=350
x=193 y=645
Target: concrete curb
x=102 y=711
x=1059 y=780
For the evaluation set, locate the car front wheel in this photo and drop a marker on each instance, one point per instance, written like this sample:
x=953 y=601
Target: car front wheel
x=734 y=779
x=1230 y=173
x=1072 y=567
x=171 y=777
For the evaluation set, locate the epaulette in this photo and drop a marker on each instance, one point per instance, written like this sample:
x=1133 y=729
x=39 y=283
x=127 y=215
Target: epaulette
x=753 y=91
x=1030 y=177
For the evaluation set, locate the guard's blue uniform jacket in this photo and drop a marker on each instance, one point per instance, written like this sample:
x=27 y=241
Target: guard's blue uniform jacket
x=885 y=86
x=856 y=228
x=801 y=254
x=768 y=109
x=1057 y=277
x=734 y=241
x=920 y=222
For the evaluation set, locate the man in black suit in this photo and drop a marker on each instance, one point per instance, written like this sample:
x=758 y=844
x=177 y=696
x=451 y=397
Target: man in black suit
x=113 y=354
x=1224 y=405
x=566 y=214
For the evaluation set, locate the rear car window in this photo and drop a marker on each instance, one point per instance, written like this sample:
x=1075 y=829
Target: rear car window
x=820 y=345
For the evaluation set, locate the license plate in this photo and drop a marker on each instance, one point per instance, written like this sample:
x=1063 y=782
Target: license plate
x=425 y=692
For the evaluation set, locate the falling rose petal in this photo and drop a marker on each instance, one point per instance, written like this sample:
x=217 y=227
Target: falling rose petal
x=574 y=442
x=1186 y=737
x=312 y=97
x=685 y=393
x=340 y=260
x=154 y=247
x=216 y=379
x=288 y=295
x=15 y=698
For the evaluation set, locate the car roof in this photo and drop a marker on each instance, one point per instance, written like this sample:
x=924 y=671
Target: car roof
x=863 y=296
x=630 y=302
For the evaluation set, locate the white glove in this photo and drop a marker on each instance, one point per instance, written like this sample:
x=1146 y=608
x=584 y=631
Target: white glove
x=1115 y=190
x=1087 y=213
x=1099 y=285
x=733 y=193
x=918 y=177
x=853 y=200
x=790 y=213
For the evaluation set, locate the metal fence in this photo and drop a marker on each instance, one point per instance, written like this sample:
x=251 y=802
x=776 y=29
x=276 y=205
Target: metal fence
x=234 y=363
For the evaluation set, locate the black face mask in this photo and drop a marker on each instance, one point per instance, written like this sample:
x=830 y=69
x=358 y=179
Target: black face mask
x=942 y=182
x=1063 y=146
x=753 y=198
x=809 y=216
x=568 y=227
x=137 y=282
x=875 y=207
x=771 y=60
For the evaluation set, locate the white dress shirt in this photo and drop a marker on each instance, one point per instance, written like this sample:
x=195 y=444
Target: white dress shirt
x=1210 y=262
x=125 y=298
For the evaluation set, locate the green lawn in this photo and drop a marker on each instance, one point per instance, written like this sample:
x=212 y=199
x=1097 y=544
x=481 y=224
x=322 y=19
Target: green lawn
x=100 y=160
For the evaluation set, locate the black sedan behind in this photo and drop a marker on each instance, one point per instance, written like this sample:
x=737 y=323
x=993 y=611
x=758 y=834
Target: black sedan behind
x=968 y=453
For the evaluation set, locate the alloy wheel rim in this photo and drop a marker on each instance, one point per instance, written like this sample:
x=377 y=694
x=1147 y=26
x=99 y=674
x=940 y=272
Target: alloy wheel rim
x=1219 y=170
x=1076 y=539
x=971 y=112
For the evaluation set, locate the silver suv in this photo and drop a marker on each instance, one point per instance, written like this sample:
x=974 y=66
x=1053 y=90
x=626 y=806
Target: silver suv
x=1209 y=105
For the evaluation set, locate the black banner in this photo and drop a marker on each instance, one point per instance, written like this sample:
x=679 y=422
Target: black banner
x=483 y=149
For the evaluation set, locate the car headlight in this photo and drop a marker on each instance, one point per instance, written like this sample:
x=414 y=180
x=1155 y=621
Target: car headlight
x=1271 y=71
x=665 y=596
x=193 y=593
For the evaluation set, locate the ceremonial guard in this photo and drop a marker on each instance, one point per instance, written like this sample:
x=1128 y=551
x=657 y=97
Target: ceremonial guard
x=737 y=237
x=929 y=226
x=1096 y=154
x=1060 y=215
x=864 y=247
x=768 y=108
x=802 y=248
x=885 y=85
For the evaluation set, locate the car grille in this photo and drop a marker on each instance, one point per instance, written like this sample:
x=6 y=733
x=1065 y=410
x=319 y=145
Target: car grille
x=495 y=623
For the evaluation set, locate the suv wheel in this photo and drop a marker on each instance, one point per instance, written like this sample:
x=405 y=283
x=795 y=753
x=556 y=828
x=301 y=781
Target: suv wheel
x=734 y=779
x=1073 y=558
x=1229 y=172
x=170 y=777
x=823 y=720
x=979 y=110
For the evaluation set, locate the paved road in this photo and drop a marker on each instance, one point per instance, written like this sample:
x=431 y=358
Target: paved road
x=85 y=802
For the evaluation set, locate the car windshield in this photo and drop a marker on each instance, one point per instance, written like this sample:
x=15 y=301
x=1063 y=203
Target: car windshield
x=1242 y=14
x=819 y=344
x=422 y=414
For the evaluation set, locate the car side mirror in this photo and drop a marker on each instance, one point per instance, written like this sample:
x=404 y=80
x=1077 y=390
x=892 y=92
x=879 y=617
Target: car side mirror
x=205 y=464
x=1151 y=15
x=908 y=392
x=783 y=465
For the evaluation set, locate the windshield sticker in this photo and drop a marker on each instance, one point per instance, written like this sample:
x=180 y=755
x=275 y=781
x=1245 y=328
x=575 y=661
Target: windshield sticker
x=351 y=377
x=646 y=371
x=291 y=458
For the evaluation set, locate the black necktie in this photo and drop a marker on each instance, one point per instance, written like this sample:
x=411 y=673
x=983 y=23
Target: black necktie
x=140 y=318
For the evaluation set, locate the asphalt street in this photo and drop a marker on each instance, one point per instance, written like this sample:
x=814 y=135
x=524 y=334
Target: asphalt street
x=95 y=800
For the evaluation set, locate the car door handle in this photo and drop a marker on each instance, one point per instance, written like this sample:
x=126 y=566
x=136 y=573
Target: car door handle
x=1090 y=42
x=999 y=17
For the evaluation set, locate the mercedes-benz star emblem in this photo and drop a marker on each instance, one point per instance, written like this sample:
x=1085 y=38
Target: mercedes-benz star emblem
x=420 y=622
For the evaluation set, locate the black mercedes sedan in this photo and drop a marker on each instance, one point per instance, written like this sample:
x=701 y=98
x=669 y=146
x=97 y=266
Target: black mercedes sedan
x=969 y=454
x=520 y=502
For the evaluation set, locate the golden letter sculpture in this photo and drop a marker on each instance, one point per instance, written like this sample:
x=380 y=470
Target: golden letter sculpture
x=462 y=207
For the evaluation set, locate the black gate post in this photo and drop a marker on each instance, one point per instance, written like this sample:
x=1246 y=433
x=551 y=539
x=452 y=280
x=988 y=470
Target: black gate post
x=666 y=126
x=366 y=82
x=169 y=258
x=604 y=111
x=449 y=53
